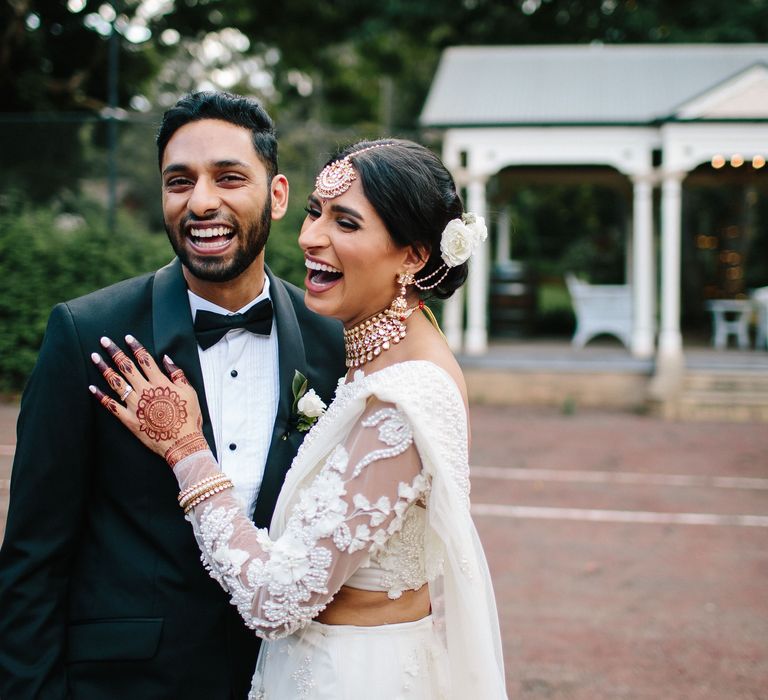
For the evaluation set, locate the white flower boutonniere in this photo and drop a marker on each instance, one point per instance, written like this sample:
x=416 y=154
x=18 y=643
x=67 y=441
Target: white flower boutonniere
x=307 y=405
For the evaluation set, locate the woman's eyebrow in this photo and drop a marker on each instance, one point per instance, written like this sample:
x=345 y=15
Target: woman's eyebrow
x=346 y=210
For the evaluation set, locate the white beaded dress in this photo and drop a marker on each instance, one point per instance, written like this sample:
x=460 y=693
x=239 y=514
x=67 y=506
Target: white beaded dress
x=377 y=498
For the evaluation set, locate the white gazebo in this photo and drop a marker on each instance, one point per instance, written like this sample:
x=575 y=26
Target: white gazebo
x=652 y=112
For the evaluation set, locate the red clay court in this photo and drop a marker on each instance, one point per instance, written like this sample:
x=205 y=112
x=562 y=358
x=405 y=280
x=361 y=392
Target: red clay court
x=629 y=554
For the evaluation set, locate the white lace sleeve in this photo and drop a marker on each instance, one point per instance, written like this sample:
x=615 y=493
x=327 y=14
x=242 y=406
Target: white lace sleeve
x=350 y=509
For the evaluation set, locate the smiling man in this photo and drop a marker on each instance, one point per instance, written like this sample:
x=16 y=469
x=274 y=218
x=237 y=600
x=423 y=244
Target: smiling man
x=100 y=578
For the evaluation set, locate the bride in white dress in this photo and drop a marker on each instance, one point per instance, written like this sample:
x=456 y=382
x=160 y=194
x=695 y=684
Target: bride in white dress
x=371 y=582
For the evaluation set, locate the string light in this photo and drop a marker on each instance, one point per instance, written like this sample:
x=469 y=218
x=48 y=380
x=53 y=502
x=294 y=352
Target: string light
x=737 y=160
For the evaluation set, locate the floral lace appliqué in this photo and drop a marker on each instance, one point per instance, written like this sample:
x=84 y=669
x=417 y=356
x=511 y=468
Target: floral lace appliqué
x=294 y=570
x=394 y=431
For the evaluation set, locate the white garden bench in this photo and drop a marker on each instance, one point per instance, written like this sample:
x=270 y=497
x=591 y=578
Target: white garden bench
x=600 y=308
x=760 y=297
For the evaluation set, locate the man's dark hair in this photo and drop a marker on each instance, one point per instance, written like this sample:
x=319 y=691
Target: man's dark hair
x=235 y=109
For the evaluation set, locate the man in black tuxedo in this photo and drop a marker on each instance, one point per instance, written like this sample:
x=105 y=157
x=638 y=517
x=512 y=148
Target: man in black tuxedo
x=102 y=593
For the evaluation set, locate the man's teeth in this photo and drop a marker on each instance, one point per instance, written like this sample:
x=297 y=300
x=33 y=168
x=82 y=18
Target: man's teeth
x=312 y=265
x=210 y=232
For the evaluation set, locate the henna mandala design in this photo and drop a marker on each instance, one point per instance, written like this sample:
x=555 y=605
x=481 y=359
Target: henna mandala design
x=161 y=413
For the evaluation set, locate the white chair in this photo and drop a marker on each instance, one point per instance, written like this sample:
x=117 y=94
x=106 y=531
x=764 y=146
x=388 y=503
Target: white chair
x=730 y=317
x=600 y=308
x=760 y=298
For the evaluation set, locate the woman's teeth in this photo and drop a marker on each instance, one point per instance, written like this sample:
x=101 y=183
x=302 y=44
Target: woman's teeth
x=320 y=273
x=312 y=265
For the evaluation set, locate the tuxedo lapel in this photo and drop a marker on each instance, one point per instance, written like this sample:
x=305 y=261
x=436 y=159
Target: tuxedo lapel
x=285 y=438
x=174 y=334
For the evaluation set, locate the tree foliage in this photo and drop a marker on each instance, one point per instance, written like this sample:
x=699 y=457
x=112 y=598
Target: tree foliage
x=48 y=256
x=55 y=52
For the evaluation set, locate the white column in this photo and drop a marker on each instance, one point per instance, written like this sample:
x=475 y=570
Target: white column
x=629 y=255
x=476 y=338
x=502 y=236
x=670 y=338
x=643 y=301
x=453 y=319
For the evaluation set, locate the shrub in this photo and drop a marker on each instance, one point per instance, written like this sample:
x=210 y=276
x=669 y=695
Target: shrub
x=47 y=257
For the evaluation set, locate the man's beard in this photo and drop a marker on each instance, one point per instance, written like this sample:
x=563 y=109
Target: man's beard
x=251 y=242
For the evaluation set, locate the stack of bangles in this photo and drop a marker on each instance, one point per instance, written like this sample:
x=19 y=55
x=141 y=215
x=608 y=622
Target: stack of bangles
x=203 y=490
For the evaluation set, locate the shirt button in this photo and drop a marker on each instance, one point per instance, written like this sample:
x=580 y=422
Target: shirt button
x=232 y=446
x=233 y=373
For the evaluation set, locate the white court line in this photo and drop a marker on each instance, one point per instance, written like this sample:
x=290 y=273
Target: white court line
x=603 y=477
x=617 y=516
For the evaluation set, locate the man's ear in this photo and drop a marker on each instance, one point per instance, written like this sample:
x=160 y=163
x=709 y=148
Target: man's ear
x=279 y=190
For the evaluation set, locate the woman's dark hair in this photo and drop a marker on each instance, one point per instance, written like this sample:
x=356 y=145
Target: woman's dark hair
x=235 y=109
x=415 y=196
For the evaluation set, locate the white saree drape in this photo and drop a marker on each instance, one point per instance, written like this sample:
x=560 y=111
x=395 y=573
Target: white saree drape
x=461 y=592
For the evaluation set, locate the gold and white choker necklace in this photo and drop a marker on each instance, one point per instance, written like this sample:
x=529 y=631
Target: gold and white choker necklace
x=371 y=337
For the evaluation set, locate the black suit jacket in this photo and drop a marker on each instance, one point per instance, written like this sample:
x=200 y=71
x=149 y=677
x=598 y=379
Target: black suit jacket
x=102 y=593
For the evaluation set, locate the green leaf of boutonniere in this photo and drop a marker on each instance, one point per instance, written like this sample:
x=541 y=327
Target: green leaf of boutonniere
x=313 y=406
x=298 y=388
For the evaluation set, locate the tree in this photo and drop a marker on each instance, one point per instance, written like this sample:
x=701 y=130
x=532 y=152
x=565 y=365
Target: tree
x=54 y=52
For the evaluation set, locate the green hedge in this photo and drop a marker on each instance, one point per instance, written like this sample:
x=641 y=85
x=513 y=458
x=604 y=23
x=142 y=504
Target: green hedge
x=47 y=257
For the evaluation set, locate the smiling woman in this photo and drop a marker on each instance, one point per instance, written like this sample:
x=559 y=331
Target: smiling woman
x=358 y=235
x=352 y=260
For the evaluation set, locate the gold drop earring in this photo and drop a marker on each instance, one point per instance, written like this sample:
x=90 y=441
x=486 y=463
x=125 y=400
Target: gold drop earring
x=399 y=304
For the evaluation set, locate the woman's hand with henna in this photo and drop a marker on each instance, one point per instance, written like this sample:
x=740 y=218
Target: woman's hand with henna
x=160 y=410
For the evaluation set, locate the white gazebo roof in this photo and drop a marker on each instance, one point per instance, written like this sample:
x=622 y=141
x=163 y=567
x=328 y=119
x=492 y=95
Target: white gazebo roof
x=592 y=84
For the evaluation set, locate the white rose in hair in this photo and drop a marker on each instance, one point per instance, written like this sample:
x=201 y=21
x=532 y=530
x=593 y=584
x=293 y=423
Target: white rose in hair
x=477 y=224
x=311 y=405
x=457 y=243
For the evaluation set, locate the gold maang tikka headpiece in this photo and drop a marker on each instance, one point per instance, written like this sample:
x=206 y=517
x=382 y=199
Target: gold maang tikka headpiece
x=337 y=177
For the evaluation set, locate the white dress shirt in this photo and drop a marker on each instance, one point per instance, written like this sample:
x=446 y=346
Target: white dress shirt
x=240 y=374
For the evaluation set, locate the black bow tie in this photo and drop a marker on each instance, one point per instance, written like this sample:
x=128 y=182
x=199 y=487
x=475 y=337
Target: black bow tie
x=211 y=327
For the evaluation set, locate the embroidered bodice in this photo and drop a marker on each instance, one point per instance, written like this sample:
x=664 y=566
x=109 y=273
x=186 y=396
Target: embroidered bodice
x=355 y=505
x=400 y=565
